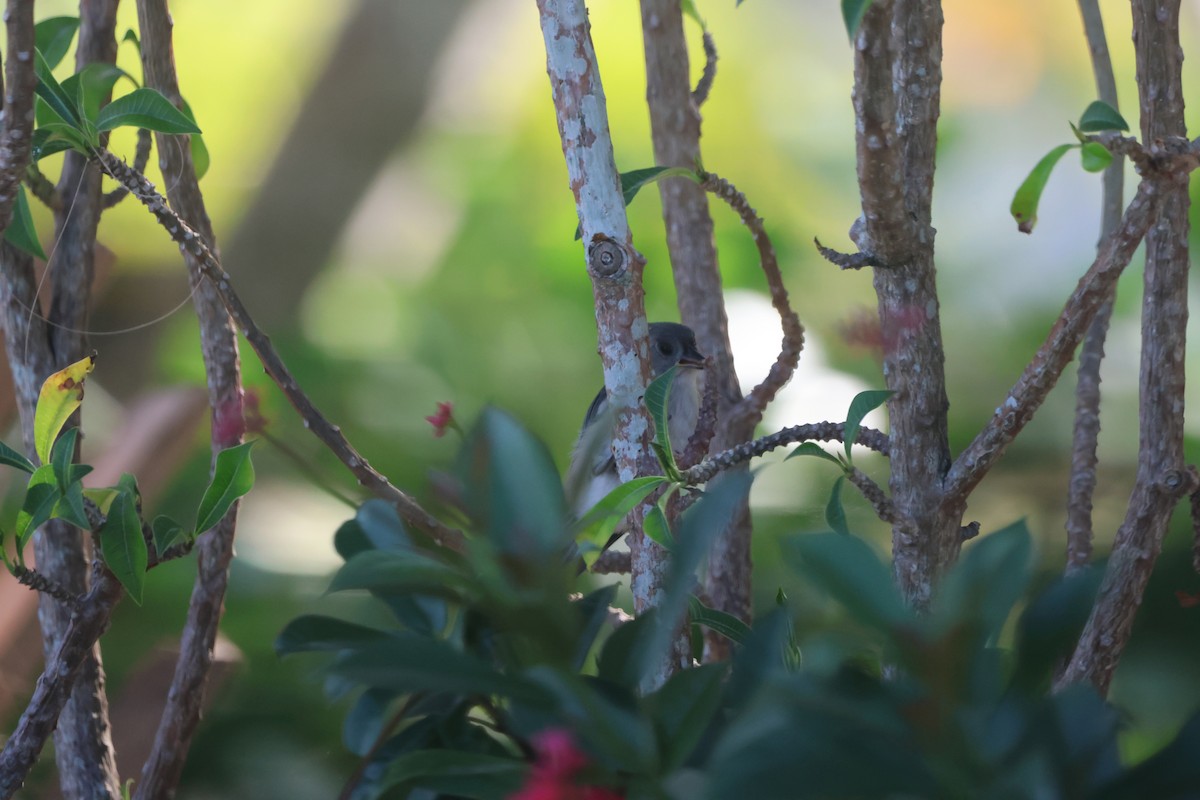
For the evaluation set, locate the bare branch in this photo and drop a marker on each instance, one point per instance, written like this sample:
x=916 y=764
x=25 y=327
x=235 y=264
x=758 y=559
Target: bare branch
x=141 y=157
x=19 y=81
x=874 y=494
x=1040 y=375
x=42 y=188
x=612 y=562
x=1162 y=477
x=704 y=85
x=1087 y=388
x=846 y=260
x=819 y=431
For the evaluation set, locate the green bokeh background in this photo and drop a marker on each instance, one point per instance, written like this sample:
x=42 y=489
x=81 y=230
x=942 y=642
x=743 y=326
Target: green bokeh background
x=457 y=280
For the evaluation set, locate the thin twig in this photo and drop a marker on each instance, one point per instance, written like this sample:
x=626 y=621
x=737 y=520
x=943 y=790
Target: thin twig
x=41 y=583
x=846 y=260
x=42 y=188
x=820 y=431
x=141 y=157
x=705 y=84
x=412 y=514
x=874 y=494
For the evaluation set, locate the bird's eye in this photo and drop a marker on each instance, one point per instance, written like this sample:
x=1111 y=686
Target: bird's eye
x=664 y=348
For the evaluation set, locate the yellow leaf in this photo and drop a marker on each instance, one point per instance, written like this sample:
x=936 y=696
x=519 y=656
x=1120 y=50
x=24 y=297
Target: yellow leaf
x=61 y=394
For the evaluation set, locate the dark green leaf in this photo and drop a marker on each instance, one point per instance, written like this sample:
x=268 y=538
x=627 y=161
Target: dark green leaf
x=689 y=9
x=853 y=12
x=1173 y=772
x=622 y=655
x=21 y=232
x=514 y=488
x=849 y=570
x=233 y=476
x=593 y=610
x=381 y=523
x=862 y=404
x=70 y=507
x=313 y=632
x=145 y=108
x=410 y=662
x=1029 y=194
x=92 y=86
x=1100 y=116
x=727 y=625
x=683 y=708
x=56 y=98
x=657 y=394
x=617 y=503
x=131 y=36
x=123 y=547
x=1050 y=624
x=477 y=776
x=53 y=37
x=1095 y=157
x=835 y=514
x=391 y=572
x=987 y=581
x=61 y=456
x=759 y=657
x=699 y=527
x=349 y=540
x=41 y=495
x=166 y=533
x=365 y=720
x=812 y=449
x=12 y=458
x=53 y=138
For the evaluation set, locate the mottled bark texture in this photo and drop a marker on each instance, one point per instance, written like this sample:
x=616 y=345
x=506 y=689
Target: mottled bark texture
x=82 y=741
x=897 y=91
x=1082 y=485
x=1162 y=476
x=675 y=128
x=615 y=269
x=219 y=349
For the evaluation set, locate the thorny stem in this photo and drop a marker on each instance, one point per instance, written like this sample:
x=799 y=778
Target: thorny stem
x=330 y=434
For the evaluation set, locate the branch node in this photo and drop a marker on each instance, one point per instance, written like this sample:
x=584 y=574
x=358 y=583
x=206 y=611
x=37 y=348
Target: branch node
x=969 y=531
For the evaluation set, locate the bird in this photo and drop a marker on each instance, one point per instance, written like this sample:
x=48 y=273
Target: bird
x=592 y=472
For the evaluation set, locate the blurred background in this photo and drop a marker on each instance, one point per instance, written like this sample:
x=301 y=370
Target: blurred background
x=389 y=193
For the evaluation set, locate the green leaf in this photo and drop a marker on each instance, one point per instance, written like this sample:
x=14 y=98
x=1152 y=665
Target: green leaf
x=70 y=507
x=93 y=85
x=634 y=180
x=835 y=514
x=1095 y=156
x=593 y=611
x=597 y=524
x=233 y=476
x=1050 y=625
x=812 y=449
x=683 y=708
x=1029 y=194
x=41 y=495
x=410 y=662
x=365 y=720
x=689 y=9
x=200 y=157
x=457 y=773
x=513 y=488
x=166 y=533
x=145 y=108
x=853 y=12
x=987 y=581
x=12 y=458
x=60 y=395
x=56 y=98
x=658 y=528
x=55 y=137
x=314 y=632
x=1100 y=116
x=621 y=658
x=61 y=456
x=382 y=525
x=850 y=572
x=862 y=404
x=131 y=36
x=21 y=232
x=391 y=572
x=123 y=547
x=727 y=625
x=657 y=394
x=53 y=37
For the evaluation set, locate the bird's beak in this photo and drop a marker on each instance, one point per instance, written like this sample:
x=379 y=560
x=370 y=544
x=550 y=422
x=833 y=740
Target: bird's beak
x=692 y=358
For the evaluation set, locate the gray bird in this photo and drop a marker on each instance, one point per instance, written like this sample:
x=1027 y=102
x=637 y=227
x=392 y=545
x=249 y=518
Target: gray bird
x=593 y=471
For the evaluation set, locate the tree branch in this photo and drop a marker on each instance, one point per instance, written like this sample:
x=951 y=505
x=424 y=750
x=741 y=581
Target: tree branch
x=819 y=431
x=1162 y=477
x=615 y=268
x=19 y=80
x=1082 y=485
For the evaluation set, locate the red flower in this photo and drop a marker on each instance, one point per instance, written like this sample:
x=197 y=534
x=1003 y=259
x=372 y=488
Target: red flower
x=558 y=761
x=443 y=419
